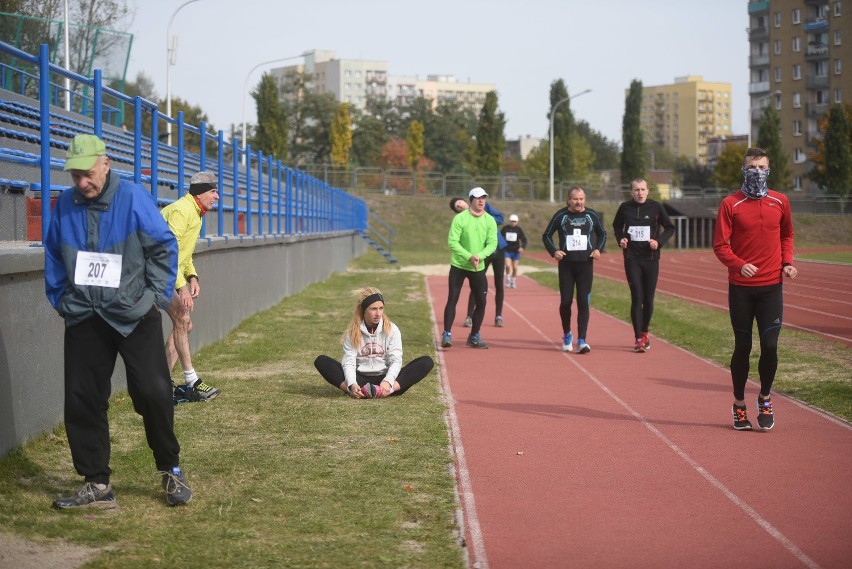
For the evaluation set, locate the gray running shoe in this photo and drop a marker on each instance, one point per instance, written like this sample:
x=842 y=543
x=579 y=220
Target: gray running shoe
x=468 y=322
x=91 y=495
x=205 y=392
x=174 y=483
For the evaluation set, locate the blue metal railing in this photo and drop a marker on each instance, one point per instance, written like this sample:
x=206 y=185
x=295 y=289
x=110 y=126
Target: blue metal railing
x=265 y=197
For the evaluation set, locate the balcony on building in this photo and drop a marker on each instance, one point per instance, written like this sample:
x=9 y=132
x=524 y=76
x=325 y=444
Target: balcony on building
x=816 y=25
x=816 y=52
x=758 y=60
x=758 y=33
x=758 y=87
x=758 y=6
x=815 y=110
x=816 y=81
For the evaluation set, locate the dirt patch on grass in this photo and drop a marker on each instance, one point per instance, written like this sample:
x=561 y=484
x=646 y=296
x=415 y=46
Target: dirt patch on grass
x=19 y=553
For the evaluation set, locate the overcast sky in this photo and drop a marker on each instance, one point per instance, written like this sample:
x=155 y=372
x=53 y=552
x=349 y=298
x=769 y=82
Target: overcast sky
x=521 y=46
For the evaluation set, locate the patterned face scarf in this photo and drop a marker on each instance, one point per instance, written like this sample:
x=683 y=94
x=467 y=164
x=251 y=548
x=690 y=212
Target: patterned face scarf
x=754 y=182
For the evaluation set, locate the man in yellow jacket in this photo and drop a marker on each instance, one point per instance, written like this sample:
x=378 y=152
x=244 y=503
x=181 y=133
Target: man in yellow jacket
x=184 y=219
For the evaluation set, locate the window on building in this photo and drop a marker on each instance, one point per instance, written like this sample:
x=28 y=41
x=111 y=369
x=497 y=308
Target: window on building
x=777 y=19
x=777 y=74
x=797 y=44
x=821 y=68
x=821 y=97
x=777 y=102
x=838 y=95
x=797 y=71
x=797 y=128
x=797 y=183
x=837 y=8
x=797 y=100
x=777 y=47
x=838 y=66
x=797 y=16
x=836 y=37
x=798 y=156
x=347 y=73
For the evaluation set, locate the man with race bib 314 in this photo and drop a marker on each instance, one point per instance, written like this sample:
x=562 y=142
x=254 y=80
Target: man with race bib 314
x=581 y=241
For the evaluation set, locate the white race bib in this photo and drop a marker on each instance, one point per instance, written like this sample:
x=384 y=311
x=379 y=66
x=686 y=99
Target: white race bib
x=511 y=237
x=639 y=232
x=577 y=241
x=98 y=269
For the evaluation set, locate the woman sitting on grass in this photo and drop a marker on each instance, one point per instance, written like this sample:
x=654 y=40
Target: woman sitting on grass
x=372 y=354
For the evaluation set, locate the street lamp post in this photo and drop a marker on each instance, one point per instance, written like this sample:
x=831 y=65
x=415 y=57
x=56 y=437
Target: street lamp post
x=170 y=60
x=751 y=108
x=245 y=91
x=552 y=112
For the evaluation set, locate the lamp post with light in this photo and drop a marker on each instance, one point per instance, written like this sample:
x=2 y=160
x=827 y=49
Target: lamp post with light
x=552 y=112
x=171 y=52
x=245 y=91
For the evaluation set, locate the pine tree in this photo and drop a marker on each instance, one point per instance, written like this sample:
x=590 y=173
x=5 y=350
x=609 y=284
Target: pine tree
x=838 y=162
x=490 y=139
x=633 y=152
x=563 y=128
x=769 y=139
x=271 y=133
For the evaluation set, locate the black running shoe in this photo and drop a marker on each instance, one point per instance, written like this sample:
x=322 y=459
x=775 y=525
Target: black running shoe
x=765 y=418
x=741 y=422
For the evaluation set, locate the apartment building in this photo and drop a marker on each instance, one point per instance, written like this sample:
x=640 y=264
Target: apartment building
x=355 y=81
x=349 y=80
x=681 y=116
x=439 y=89
x=797 y=50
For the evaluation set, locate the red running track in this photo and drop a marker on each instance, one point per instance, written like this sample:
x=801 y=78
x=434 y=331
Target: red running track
x=621 y=460
x=818 y=300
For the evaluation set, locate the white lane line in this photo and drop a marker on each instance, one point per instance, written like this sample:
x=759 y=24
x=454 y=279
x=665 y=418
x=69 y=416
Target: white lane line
x=715 y=482
x=466 y=487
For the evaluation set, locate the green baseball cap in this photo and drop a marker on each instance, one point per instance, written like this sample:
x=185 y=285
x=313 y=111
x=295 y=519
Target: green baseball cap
x=83 y=152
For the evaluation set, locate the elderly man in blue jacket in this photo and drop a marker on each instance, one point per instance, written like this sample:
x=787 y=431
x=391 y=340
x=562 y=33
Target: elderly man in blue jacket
x=110 y=261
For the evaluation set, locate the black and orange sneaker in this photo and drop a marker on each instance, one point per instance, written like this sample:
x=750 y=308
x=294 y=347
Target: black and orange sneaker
x=639 y=346
x=741 y=422
x=646 y=341
x=765 y=418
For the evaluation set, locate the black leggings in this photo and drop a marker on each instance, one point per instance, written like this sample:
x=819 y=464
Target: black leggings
x=579 y=274
x=411 y=373
x=642 y=277
x=478 y=285
x=766 y=305
x=498 y=261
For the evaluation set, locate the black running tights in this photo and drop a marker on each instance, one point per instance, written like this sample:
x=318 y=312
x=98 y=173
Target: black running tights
x=745 y=305
x=411 y=373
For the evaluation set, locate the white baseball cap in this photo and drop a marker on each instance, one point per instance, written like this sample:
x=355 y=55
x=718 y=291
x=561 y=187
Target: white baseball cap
x=477 y=193
x=513 y=217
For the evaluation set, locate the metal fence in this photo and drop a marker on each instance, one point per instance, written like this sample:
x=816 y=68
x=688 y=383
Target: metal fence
x=260 y=194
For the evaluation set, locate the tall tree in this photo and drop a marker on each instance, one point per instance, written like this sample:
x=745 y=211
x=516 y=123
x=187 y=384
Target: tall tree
x=563 y=126
x=490 y=138
x=633 y=150
x=817 y=173
x=838 y=162
x=606 y=152
x=414 y=141
x=769 y=138
x=341 y=136
x=447 y=134
x=728 y=174
x=373 y=127
x=270 y=134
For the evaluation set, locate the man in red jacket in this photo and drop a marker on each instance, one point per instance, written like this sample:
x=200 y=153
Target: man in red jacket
x=754 y=239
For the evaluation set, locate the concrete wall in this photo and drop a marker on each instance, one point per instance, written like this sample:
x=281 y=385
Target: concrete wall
x=239 y=277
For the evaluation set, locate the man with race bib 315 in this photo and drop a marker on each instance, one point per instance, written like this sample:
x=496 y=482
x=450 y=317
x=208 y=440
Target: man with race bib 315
x=637 y=226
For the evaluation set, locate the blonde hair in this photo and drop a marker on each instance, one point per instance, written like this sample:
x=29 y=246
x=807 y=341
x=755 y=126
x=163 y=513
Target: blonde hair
x=353 y=332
